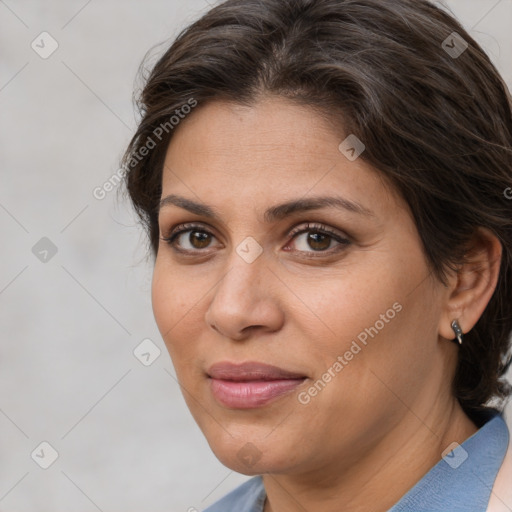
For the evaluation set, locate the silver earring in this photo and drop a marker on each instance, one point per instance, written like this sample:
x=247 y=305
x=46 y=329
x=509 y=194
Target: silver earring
x=457 y=330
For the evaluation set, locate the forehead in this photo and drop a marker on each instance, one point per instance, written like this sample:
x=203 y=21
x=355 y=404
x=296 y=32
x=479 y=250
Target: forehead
x=273 y=129
x=272 y=149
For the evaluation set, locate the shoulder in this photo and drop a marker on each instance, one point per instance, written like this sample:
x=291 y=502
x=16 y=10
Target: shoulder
x=501 y=494
x=248 y=497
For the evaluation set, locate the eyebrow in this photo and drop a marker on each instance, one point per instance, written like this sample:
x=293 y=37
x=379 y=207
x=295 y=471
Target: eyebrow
x=274 y=213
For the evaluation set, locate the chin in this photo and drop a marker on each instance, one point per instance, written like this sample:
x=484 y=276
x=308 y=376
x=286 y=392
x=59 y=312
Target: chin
x=248 y=464
x=252 y=454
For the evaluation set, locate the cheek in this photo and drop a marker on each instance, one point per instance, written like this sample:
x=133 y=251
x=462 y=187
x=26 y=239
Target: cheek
x=385 y=360
x=174 y=304
x=358 y=303
x=382 y=324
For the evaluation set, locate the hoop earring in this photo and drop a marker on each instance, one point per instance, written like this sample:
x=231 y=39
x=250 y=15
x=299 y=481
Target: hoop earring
x=457 y=330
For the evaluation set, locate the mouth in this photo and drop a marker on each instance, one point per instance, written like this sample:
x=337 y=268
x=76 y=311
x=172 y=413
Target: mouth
x=251 y=385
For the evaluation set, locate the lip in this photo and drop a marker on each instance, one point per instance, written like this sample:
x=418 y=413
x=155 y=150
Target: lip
x=251 y=384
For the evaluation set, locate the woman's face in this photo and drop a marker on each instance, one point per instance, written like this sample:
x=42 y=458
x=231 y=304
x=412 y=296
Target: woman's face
x=339 y=296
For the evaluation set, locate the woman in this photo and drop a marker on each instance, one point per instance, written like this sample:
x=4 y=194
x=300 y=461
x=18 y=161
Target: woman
x=323 y=187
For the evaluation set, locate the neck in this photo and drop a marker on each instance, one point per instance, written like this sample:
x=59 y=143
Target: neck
x=378 y=479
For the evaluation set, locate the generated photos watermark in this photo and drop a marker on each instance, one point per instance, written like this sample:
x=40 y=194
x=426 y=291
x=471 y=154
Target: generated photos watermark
x=304 y=397
x=165 y=127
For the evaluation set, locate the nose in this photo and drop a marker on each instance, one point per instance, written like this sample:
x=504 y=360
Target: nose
x=245 y=300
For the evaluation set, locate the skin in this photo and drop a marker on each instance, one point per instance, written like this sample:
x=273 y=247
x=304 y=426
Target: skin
x=384 y=420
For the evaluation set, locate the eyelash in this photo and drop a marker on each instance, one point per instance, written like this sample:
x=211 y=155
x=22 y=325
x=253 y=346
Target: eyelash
x=309 y=227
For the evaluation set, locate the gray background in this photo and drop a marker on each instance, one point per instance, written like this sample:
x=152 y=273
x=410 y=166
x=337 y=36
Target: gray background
x=68 y=375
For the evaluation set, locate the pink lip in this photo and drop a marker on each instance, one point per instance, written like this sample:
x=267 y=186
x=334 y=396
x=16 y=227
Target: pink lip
x=250 y=385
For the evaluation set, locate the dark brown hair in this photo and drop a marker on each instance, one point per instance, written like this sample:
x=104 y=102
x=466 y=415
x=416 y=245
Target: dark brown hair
x=436 y=124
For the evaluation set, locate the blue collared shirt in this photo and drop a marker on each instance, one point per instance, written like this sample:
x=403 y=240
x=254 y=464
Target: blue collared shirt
x=460 y=482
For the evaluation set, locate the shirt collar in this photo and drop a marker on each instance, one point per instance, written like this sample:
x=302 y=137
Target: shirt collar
x=463 y=479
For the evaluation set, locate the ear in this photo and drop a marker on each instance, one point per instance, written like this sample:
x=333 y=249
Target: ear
x=470 y=288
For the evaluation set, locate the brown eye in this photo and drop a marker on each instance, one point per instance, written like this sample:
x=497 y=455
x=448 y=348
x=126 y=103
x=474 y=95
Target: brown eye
x=189 y=238
x=192 y=239
x=199 y=239
x=319 y=241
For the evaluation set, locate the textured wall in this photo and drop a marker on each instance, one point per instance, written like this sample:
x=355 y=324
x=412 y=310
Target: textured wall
x=69 y=325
